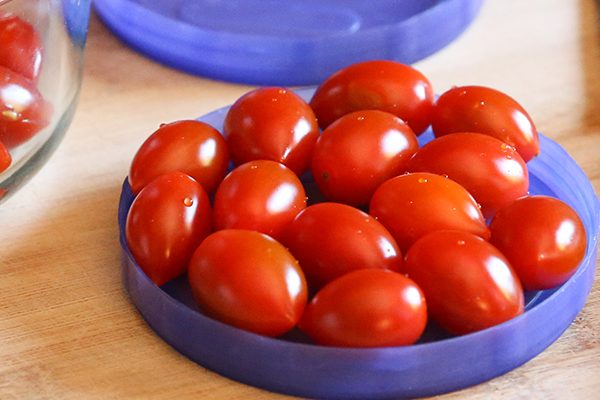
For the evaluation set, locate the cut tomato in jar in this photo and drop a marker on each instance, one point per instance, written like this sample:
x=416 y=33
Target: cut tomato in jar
x=20 y=46
x=23 y=110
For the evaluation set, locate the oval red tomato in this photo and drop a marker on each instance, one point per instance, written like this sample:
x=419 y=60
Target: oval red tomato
x=5 y=158
x=166 y=222
x=272 y=124
x=249 y=280
x=360 y=151
x=468 y=284
x=488 y=111
x=366 y=308
x=20 y=46
x=23 y=111
x=492 y=171
x=412 y=205
x=260 y=195
x=191 y=147
x=331 y=239
x=542 y=237
x=376 y=85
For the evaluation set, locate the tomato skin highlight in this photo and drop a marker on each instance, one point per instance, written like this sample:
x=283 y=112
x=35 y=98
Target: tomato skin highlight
x=166 y=222
x=543 y=238
x=358 y=152
x=272 y=124
x=23 y=110
x=331 y=239
x=248 y=280
x=414 y=204
x=191 y=147
x=5 y=158
x=469 y=285
x=366 y=308
x=488 y=111
x=20 y=46
x=492 y=171
x=376 y=85
x=260 y=195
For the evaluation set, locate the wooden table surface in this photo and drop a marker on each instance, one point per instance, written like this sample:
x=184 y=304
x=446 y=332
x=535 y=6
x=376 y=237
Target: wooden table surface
x=67 y=328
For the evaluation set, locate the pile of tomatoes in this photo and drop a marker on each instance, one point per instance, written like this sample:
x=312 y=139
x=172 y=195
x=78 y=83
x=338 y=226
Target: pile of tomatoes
x=390 y=235
x=23 y=110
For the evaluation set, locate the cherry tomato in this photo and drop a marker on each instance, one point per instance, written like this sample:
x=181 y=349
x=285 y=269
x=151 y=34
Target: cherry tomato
x=359 y=152
x=191 y=147
x=412 y=205
x=492 y=171
x=489 y=111
x=260 y=195
x=23 y=111
x=5 y=158
x=468 y=284
x=20 y=46
x=273 y=124
x=249 y=280
x=366 y=308
x=166 y=222
x=542 y=237
x=331 y=239
x=376 y=85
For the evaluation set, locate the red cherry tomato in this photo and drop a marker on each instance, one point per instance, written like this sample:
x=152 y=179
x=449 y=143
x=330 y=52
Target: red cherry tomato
x=366 y=308
x=542 y=237
x=5 y=158
x=376 y=85
x=166 y=222
x=412 y=205
x=271 y=124
x=23 y=111
x=20 y=46
x=468 y=284
x=489 y=111
x=492 y=171
x=260 y=195
x=191 y=147
x=359 y=152
x=331 y=239
x=249 y=280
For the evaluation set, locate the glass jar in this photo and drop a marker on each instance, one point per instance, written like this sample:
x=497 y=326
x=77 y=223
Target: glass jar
x=41 y=55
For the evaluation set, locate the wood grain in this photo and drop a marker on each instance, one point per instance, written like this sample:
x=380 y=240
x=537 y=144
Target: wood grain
x=68 y=330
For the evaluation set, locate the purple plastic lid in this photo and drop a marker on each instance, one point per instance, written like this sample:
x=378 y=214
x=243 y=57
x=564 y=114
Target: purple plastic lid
x=437 y=364
x=284 y=42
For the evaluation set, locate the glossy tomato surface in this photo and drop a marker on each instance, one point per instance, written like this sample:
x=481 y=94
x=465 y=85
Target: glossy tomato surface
x=191 y=147
x=376 y=85
x=360 y=151
x=273 y=124
x=468 y=284
x=366 y=308
x=542 y=237
x=20 y=46
x=489 y=111
x=260 y=195
x=23 y=111
x=491 y=170
x=248 y=280
x=414 y=204
x=332 y=239
x=166 y=222
x=5 y=158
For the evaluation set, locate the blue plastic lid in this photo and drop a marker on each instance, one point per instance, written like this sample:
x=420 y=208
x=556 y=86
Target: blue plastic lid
x=437 y=364
x=284 y=42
